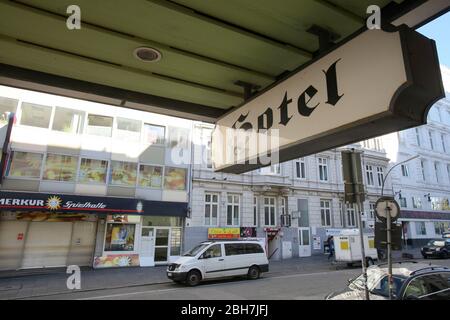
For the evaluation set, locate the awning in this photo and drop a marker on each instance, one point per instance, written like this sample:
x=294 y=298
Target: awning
x=53 y=202
x=211 y=52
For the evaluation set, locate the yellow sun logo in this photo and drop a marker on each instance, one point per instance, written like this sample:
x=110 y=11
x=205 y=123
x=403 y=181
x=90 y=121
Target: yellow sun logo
x=54 y=203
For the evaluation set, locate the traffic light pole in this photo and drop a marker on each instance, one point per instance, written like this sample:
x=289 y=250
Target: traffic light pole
x=389 y=249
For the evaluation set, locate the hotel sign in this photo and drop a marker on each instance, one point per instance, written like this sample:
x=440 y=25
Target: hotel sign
x=374 y=83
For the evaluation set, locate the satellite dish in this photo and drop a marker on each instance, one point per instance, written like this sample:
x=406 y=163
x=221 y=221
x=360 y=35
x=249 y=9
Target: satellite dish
x=387 y=205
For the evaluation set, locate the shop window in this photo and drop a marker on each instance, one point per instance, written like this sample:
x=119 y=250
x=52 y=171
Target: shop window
x=175 y=242
x=128 y=129
x=421 y=228
x=68 y=120
x=123 y=173
x=161 y=221
x=7 y=106
x=174 y=178
x=99 y=125
x=440 y=227
x=154 y=134
x=25 y=165
x=60 y=167
x=120 y=237
x=150 y=176
x=35 y=115
x=92 y=171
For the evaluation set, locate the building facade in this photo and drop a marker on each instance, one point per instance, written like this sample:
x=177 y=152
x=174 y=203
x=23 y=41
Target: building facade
x=90 y=184
x=422 y=185
x=295 y=205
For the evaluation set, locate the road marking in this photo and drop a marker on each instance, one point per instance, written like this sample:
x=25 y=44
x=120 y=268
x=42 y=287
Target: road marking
x=207 y=285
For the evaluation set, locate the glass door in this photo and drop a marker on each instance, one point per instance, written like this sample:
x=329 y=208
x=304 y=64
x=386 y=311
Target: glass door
x=147 y=254
x=304 y=237
x=162 y=245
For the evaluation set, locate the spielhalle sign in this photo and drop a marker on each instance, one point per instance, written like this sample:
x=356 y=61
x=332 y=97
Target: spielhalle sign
x=377 y=82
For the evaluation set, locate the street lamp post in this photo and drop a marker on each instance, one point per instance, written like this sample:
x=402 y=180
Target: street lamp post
x=388 y=225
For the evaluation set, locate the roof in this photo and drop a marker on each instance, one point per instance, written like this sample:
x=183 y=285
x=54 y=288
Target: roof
x=206 y=46
x=408 y=268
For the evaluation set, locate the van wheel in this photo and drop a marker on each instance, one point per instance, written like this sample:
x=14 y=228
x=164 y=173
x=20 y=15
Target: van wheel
x=193 y=278
x=253 y=273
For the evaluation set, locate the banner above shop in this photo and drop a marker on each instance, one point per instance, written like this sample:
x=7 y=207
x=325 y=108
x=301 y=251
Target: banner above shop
x=232 y=233
x=23 y=201
x=377 y=82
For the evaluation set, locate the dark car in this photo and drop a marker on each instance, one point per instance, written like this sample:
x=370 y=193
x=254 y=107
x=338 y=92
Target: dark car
x=438 y=248
x=411 y=281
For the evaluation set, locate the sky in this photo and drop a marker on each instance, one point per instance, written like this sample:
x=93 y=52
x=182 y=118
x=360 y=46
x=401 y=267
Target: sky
x=439 y=30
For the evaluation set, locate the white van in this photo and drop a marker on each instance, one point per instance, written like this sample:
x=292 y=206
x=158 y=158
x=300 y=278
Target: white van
x=219 y=259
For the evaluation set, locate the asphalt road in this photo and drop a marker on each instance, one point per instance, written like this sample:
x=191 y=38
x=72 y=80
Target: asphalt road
x=303 y=286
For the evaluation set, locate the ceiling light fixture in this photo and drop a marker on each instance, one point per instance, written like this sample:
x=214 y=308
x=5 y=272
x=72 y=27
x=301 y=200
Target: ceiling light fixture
x=147 y=54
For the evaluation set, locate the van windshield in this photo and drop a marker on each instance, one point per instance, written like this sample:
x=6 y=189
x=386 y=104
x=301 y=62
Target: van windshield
x=193 y=252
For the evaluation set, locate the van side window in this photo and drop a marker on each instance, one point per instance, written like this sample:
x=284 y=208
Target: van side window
x=214 y=251
x=233 y=249
x=253 y=248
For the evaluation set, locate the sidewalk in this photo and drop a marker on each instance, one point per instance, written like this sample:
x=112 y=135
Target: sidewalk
x=32 y=283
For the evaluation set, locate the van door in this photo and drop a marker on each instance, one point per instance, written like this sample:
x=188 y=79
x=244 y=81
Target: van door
x=237 y=261
x=213 y=262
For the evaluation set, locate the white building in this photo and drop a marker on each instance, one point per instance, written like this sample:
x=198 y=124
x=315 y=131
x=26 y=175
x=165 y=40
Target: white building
x=422 y=185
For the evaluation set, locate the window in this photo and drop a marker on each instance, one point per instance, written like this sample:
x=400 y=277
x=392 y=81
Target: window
x=405 y=171
x=251 y=248
x=422 y=167
x=430 y=136
x=150 y=176
x=92 y=171
x=417 y=202
x=420 y=228
x=417 y=136
x=123 y=173
x=300 y=168
x=444 y=149
x=68 y=120
x=215 y=251
x=429 y=287
x=233 y=210
x=178 y=138
x=234 y=249
x=380 y=176
x=99 y=125
x=323 y=169
x=120 y=237
x=369 y=175
x=282 y=206
x=175 y=178
x=154 y=134
x=35 y=115
x=436 y=171
x=25 y=164
x=128 y=129
x=269 y=211
x=403 y=203
x=211 y=209
x=440 y=227
x=382 y=287
x=325 y=212
x=351 y=215
x=448 y=172
x=60 y=167
x=272 y=170
x=255 y=211
x=7 y=106
x=372 y=206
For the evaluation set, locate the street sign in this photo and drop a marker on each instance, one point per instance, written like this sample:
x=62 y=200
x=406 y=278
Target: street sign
x=385 y=205
x=381 y=236
x=375 y=83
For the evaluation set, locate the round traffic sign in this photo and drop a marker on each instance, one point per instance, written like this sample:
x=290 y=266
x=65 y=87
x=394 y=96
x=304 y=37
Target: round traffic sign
x=386 y=205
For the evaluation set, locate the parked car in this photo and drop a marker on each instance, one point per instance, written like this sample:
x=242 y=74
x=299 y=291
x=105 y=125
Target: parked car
x=411 y=281
x=439 y=248
x=446 y=234
x=219 y=259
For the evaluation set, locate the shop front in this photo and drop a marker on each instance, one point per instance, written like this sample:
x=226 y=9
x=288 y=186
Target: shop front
x=40 y=230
